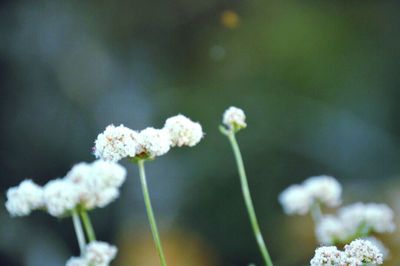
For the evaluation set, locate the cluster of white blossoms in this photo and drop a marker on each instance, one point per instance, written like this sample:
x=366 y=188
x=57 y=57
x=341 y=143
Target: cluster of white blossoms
x=357 y=253
x=116 y=143
x=234 y=118
x=356 y=220
x=25 y=198
x=89 y=185
x=299 y=199
x=96 y=254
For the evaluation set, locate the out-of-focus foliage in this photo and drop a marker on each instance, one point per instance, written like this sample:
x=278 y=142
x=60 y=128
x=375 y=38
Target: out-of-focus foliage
x=317 y=79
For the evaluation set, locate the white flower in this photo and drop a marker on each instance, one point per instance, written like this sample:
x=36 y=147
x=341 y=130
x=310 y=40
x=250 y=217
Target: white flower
x=97 y=183
x=183 y=131
x=234 y=118
x=25 y=198
x=77 y=261
x=295 y=200
x=116 y=143
x=60 y=196
x=331 y=230
x=100 y=253
x=154 y=142
x=372 y=216
x=327 y=256
x=324 y=189
x=376 y=242
x=363 y=251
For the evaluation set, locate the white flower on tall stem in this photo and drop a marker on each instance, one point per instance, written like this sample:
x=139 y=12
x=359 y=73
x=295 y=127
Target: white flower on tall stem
x=24 y=198
x=233 y=120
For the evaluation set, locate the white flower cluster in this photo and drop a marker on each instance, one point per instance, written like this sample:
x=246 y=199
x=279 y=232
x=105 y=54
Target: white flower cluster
x=356 y=220
x=183 y=131
x=116 y=143
x=357 y=253
x=90 y=185
x=96 y=254
x=299 y=199
x=234 y=118
x=25 y=198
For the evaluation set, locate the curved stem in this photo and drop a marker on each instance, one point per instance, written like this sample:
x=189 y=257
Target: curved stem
x=88 y=225
x=150 y=214
x=247 y=199
x=79 y=231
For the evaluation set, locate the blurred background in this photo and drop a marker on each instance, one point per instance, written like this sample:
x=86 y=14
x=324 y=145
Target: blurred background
x=318 y=81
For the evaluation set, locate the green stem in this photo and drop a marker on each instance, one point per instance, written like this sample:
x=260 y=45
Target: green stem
x=88 y=225
x=79 y=231
x=247 y=199
x=150 y=213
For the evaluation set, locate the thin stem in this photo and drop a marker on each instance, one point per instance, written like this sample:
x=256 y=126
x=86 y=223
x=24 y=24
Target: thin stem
x=247 y=199
x=316 y=212
x=88 y=225
x=150 y=213
x=79 y=231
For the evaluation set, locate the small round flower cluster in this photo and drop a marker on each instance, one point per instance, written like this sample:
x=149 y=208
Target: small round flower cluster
x=88 y=185
x=299 y=199
x=234 y=118
x=357 y=253
x=116 y=143
x=356 y=220
x=96 y=254
x=25 y=198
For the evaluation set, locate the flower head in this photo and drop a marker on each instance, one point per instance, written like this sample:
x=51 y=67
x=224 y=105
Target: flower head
x=116 y=143
x=295 y=200
x=324 y=189
x=331 y=230
x=154 y=142
x=97 y=253
x=25 y=198
x=234 y=118
x=299 y=199
x=183 y=131
x=60 y=196
x=372 y=216
x=100 y=253
x=363 y=252
x=97 y=183
x=327 y=256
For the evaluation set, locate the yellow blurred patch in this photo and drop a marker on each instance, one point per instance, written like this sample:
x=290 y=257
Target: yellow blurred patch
x=230 y=19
